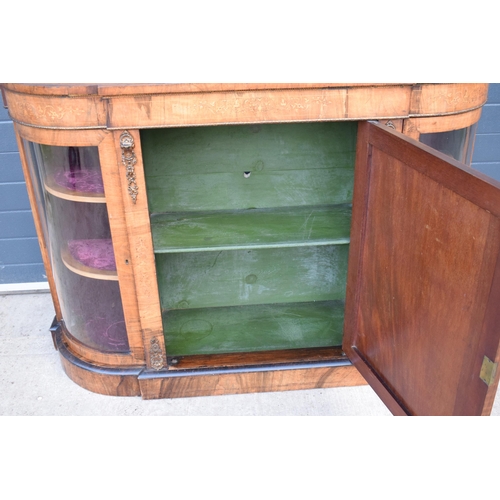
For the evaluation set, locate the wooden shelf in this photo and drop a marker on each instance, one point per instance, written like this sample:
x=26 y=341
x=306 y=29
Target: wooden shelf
x=68 y=194
x=217 y=330
x=78 y=267
x=258 y=228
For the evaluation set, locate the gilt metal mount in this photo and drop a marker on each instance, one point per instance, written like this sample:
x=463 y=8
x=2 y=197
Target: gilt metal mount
x=156 y=355
x=129 y=159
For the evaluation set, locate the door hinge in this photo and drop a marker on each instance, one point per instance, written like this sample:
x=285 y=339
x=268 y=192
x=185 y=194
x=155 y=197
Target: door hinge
x=488 y=371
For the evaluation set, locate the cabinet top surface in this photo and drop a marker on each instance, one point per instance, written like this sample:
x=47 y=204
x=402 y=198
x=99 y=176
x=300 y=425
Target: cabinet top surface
x=108 y=89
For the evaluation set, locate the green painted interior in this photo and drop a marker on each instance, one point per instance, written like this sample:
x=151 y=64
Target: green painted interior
x=247 y=277
x=216 y=330
x=251 y=226
x=248 y=166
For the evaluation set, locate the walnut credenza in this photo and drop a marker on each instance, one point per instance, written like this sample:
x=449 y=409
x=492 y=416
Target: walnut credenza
x=204 y=239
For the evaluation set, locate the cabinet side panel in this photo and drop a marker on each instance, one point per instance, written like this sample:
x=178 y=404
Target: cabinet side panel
x=57 y=111
x=447 y=98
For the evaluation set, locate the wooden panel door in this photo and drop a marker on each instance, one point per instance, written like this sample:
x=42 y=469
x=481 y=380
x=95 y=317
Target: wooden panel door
x=423 y=296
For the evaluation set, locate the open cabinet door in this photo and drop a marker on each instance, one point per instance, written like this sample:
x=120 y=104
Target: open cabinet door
x=423 y=296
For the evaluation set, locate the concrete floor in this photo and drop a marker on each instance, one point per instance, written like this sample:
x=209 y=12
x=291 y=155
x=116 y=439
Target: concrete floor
x=32 y=381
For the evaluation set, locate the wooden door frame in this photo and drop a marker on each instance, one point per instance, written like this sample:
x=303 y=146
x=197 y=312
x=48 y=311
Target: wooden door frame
x=479 y=192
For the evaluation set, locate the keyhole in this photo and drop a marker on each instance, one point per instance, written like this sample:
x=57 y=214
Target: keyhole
x=246 y=175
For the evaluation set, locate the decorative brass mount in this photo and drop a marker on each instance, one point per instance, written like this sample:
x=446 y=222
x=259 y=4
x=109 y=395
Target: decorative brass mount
x=156 y=356
x=129 y=160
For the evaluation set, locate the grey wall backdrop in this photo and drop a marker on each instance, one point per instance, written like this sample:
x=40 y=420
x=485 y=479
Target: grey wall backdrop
x=20 y=259
x=487 y=148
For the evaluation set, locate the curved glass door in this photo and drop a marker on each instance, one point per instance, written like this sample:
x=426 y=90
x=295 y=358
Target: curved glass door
x=71 y=193
x=458 y=144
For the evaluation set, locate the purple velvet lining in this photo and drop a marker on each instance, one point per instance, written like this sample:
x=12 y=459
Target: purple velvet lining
x=83 y=181
x=97 y=254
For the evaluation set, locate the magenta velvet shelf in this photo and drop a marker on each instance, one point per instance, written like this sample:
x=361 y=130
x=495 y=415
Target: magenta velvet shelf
x=92 y=258
x=81 y=185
